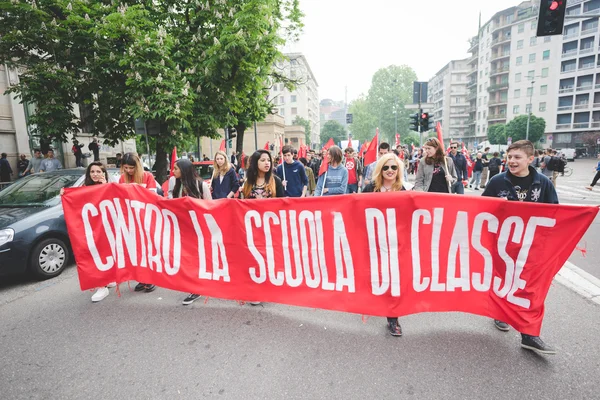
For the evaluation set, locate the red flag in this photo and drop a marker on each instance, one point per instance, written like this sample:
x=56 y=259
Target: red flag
x=324 y=163
x=328 y=144
x=281 y=150
x=267 y=146
x=302 y=152
x=173 y=159
x=413 y=148
x=397 y=140
x=243 y=163
x=222 y=146
x=371 y=154
x=363 y=148
x=440 y=134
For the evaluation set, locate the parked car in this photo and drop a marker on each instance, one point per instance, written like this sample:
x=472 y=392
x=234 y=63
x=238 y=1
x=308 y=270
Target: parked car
x=205 y=170
x=33 y=233
x=570 y=154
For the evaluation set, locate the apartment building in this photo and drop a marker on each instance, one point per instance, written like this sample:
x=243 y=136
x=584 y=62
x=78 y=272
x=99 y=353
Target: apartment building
x=447 y=91
x=303 y=101
x=578 y=95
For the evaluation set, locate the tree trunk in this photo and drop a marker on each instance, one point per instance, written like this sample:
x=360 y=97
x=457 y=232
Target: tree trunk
x=161 y=157
x=239 y=141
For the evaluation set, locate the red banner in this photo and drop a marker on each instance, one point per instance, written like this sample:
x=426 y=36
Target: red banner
x=383 y=254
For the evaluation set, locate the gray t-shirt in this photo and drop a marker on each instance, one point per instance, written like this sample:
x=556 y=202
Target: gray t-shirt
x=34 y=165
x=50 y=164
x=545 y=170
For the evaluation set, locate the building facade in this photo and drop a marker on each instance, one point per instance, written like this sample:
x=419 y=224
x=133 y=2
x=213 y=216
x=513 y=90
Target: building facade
x=303 y=101
x=447 y=91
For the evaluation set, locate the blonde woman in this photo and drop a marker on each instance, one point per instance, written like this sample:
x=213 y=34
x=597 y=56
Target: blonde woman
x=225 y=183
x=388 y=177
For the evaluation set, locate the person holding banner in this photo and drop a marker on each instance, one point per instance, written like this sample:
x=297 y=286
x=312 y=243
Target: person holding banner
x=189 y=184
x=224 y=184
x=436 y=171
x=335 y=179
x=132 y=171
x=521 y=182
x=388 y=177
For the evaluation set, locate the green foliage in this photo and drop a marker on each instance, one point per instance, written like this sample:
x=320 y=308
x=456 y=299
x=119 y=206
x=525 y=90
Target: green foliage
x=189 y=67
x=497 y=134
x=306 y=124
x=391 y=89
x=334 y=130
x=517 y=128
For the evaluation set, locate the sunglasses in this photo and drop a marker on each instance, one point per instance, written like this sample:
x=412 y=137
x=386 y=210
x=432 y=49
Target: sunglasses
x=386 y=167
x=453 y=147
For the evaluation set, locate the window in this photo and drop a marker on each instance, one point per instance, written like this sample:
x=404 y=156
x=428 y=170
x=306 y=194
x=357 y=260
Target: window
x=517 y=93
x=479 y=115
x=547 y=39
x=530 y=75
x=546 y=55
x=521 y=28
x=543 y=89
x=528 y=108
x=543 y=106
x=531 y=58
x=519 y=44
x=532 y=41
x=281 y=87
x=294 y=110
x=281 y=100
x=486 y=71
x=518 y=77
x=519 y=60
x=515 y=109
x=282 y=112
x=480 y=88
x=293 y=98
x=534 y=25
x=544 y=72
x=509 y=18
x=529 y=92
x=481 y=74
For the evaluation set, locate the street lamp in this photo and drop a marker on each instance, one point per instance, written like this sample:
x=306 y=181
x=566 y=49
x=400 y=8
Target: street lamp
x=530 y=110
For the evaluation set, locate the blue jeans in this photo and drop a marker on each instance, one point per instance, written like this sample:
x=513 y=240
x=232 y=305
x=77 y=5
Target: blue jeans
x=476 y=178
x=458 y=188
x=352 y=188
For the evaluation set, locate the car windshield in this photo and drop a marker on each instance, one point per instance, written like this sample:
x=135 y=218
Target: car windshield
x=205 y=171
x=37 y=189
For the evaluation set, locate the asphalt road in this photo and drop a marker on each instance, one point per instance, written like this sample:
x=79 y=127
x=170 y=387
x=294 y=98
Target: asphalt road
x=56 y=344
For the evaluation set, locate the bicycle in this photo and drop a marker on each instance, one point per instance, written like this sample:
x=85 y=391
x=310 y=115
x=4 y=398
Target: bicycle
x=567 y=172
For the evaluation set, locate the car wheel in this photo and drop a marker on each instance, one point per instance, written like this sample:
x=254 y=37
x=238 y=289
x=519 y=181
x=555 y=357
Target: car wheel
x=49 y=258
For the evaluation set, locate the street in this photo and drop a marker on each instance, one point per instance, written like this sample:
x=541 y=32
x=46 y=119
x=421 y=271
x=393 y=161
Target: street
x=56 y=343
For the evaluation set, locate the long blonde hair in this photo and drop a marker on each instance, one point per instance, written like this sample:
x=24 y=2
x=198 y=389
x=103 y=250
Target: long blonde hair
x=226 y=166
x=132 y=160
x=378 y=176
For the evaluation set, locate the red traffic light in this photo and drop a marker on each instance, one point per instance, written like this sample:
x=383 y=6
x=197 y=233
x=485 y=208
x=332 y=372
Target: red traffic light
x=554 y=5
x=424 y=115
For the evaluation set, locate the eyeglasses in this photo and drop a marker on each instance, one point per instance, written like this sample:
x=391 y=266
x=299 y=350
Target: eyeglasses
x=453 y=147
x=386 y=167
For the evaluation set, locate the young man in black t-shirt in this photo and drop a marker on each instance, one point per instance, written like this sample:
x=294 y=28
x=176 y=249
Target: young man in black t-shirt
x=521 y=182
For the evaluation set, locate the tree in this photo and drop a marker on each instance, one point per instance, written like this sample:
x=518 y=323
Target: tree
x=497 y=134
x=187 y=68
x=334 y=130
x=517 y=128
x=306 y=124
x=364 y=122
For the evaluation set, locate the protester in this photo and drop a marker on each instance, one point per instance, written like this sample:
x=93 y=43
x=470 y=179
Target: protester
x=383 y=148
x=261 y=181
x=521 y=182
x=76 y=149
x=119 y=160
x=354 y=170
x=485 y=173
x=460 y=165
x=50 y=164
x=494 y=165
x=5 y=169
x=36 y=161
x=233 y=159
x=224 y=182
x=292 y=174
x=335 y=180
x=310 y=176
x=95 y=174
x=314 y=162
x=388 y=177
x=242 y=170
x=596 y=177
x=189 y=184
x=23 y=166
x=477 y=170
x=94 y=147
x=132 y=172
x=436 y=172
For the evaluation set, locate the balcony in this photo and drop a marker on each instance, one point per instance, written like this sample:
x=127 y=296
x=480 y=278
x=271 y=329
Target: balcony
x=497 y=87
x=473 y=44
x=565 y=108
x=581 y=125
x=499 y=71
x=596 y=105
x=585 y=88
x=590 y=31
x=586 y=66
x=472 y=96
x=562 y=127
x=500 y=56
x=497 y=102
x=496 y=117
x=569 y=53
x=568 y=89
x=583 y=106
x=569 y=36
x=472 y=83
x=569 y=69
x=586 y=50
x=500 y=40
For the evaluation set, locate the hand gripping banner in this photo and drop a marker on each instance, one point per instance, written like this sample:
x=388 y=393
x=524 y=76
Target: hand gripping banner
x=381 y=254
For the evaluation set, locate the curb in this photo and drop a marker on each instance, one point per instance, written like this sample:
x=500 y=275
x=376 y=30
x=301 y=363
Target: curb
x=579 y=281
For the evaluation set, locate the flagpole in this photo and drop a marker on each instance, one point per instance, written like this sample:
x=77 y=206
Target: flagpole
x=324 y=181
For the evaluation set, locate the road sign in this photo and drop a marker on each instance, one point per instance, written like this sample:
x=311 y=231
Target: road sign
x=424 y=106
x=509 y=141
x=348 y=118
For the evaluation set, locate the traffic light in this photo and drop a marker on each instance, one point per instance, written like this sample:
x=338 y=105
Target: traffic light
x=415 y=122
x=425 y=122
x=551 y=19
x=348 y=118
x=230 y=133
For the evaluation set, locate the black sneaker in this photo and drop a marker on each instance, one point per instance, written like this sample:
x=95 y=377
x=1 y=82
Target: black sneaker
x=476 y=188
x=149 y=288
x=140 y=287
x=190 y=299
x=503 y=326
x=394 y=328
x=536 y=344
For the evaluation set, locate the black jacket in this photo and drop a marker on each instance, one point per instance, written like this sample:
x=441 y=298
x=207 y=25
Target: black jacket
x=542 y=190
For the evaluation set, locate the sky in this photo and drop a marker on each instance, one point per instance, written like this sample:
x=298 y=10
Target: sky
x=346 y=41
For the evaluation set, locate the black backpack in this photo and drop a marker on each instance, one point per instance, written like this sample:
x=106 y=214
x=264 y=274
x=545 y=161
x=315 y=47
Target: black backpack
x=554 y=164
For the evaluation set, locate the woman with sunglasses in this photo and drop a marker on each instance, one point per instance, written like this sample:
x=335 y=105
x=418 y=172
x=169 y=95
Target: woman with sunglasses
x=388 y=177
x=436 y=171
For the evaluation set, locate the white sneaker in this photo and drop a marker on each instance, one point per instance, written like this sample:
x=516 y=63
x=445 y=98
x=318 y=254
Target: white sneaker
x=100 y=294
x=112 y=285
x=254 y=303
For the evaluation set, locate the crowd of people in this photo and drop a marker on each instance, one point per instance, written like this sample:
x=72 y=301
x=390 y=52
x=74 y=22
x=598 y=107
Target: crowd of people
x=342 y=173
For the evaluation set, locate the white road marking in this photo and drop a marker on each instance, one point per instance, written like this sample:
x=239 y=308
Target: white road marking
x=576 y=279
